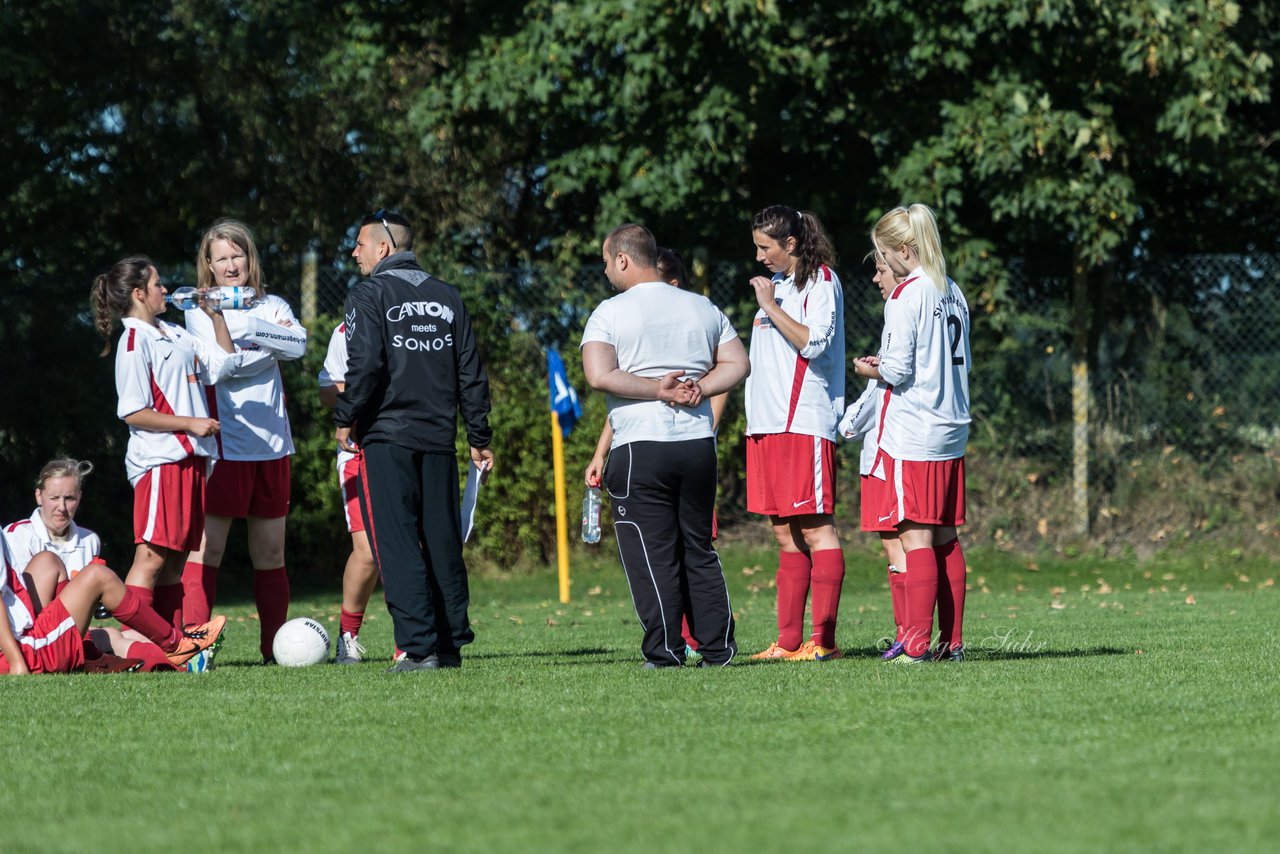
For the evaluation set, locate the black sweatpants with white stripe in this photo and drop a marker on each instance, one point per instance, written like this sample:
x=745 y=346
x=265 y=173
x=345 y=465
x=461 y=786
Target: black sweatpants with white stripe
x=411 y=513
x=663 y=495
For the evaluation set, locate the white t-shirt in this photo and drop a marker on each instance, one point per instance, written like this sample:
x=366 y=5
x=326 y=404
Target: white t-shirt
x=250 y=402
x=799 y=391
x=162 y=367
x=655 y=329
x=20 y=619
x=29 y=537
x=925 y=356
x=334 y=371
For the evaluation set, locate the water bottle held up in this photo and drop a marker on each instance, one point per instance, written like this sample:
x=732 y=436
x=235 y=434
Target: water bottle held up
x=224 y=299
x=591 y=515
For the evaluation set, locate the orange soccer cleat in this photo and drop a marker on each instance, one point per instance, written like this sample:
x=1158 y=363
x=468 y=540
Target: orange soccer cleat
x=774 y=651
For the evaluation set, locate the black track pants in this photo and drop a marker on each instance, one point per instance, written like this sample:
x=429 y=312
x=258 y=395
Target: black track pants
x=663 y=494
x=410 y=507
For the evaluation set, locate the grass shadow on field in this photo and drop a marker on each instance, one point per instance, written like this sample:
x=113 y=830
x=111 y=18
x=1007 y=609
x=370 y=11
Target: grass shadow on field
x=1022 y=654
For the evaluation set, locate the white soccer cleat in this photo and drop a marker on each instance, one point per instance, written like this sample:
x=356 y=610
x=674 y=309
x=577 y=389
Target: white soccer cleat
x=349 y=649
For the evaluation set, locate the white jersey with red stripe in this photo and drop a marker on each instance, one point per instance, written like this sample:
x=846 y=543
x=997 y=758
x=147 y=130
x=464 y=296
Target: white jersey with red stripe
x=162 y=367
x=925 y=358
x=29 y=537
x=862 y=421
x=249 y=404
x=334 y=371
x=799 y=391
x=20 y=617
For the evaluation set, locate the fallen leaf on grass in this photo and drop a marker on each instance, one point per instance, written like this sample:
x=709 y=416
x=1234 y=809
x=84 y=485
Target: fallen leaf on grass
x=551 y=622
x=1191 y=600
x=516 y=620
x=1137 y=652
x=1042 y=527
x=595 y=591
x=1057 y=605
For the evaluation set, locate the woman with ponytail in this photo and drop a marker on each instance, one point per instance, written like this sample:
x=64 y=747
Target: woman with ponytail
x=923 y=427
x=159 y=368
x=794 y=400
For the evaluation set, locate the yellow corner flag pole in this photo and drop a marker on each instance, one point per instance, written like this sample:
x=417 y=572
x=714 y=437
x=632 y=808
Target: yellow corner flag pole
x=562 y=525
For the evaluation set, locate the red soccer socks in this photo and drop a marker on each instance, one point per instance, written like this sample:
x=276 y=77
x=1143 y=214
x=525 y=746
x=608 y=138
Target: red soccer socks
x=271 y=593
x=951 y=588
x=921 y=595
x=827 y=579
x=134 y=612
x=794 y=570
x=200 y=584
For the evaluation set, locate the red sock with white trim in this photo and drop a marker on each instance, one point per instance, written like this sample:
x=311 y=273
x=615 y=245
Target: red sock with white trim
x=153 y=657
x=951 y=589
x=898 y=595
x=168 y=603
x=135 y=613
x=271 y=593
x=200 y=584
x=794 y=571
x=921 y=595
x=828 y=578
x=350 y=622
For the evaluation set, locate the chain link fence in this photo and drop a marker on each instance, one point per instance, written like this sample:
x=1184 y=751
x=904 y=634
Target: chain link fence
x=1184 y=400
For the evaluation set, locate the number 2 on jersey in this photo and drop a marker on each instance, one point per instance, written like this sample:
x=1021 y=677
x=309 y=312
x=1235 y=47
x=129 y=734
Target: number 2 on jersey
x=953 y=324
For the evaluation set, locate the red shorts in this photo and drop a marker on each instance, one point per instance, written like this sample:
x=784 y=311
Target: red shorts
x=349 y=480
x=168 y=505
x=241 y=488
x=928 y=492
x=53 y=645
x=873 y=499
x=790 y=474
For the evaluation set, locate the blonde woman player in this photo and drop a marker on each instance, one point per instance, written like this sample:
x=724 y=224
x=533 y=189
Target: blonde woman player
x=924 y=427
x=861 y=421
x=360 y=576
x=52 y=526
x=794 y=400
x=251 y=480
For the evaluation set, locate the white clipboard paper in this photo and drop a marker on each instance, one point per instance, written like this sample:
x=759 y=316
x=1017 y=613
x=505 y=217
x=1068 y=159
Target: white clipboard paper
x=469 y=495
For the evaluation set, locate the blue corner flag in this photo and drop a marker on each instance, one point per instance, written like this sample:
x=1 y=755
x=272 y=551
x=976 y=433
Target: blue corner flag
x=564 y=400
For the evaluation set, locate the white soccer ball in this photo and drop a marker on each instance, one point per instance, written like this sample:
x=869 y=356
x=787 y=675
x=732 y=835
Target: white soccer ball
x=300 y=643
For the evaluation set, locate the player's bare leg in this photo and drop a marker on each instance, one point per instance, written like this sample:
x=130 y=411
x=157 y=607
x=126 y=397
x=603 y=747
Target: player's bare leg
x=359 y=578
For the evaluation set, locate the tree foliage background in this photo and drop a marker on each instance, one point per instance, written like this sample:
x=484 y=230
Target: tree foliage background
x=1073 y=137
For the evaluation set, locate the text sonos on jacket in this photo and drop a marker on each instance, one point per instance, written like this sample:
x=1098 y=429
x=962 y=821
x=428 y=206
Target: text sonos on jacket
x=399 y=314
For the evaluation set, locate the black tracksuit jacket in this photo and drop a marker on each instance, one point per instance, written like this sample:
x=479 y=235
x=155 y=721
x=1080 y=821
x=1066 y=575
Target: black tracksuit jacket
x=412 y=362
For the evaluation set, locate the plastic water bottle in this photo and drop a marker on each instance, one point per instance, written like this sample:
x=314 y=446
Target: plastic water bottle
x=223 y=299
x=591 y=515
x=184 y=299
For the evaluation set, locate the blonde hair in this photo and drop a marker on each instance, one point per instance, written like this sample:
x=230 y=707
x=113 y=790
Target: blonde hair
x=916 y=227
x=236 y=232
x=64 y=467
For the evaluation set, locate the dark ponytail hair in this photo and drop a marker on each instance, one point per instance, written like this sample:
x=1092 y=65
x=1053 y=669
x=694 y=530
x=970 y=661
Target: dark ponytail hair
x=670 y=266
x=813 y=247
x=112 y=293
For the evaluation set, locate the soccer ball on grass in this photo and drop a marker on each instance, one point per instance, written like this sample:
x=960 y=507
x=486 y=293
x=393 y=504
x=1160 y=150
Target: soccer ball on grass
x=300 y=643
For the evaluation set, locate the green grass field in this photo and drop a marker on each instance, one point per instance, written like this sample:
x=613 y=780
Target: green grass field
x=1105 y=706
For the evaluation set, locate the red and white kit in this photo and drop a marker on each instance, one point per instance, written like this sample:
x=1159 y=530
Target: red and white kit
x=162 y=368
x=794 y=400
x=333 y=372
x=30 y=537
x=862 y=421
x=250 y=401
x=50 y=642
x=924 y=418
x=250 y=407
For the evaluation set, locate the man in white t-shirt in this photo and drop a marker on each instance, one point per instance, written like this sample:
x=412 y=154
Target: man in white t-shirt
x=659 y=354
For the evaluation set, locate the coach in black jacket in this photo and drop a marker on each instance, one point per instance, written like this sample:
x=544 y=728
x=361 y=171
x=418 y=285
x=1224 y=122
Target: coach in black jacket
x=412 y=364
